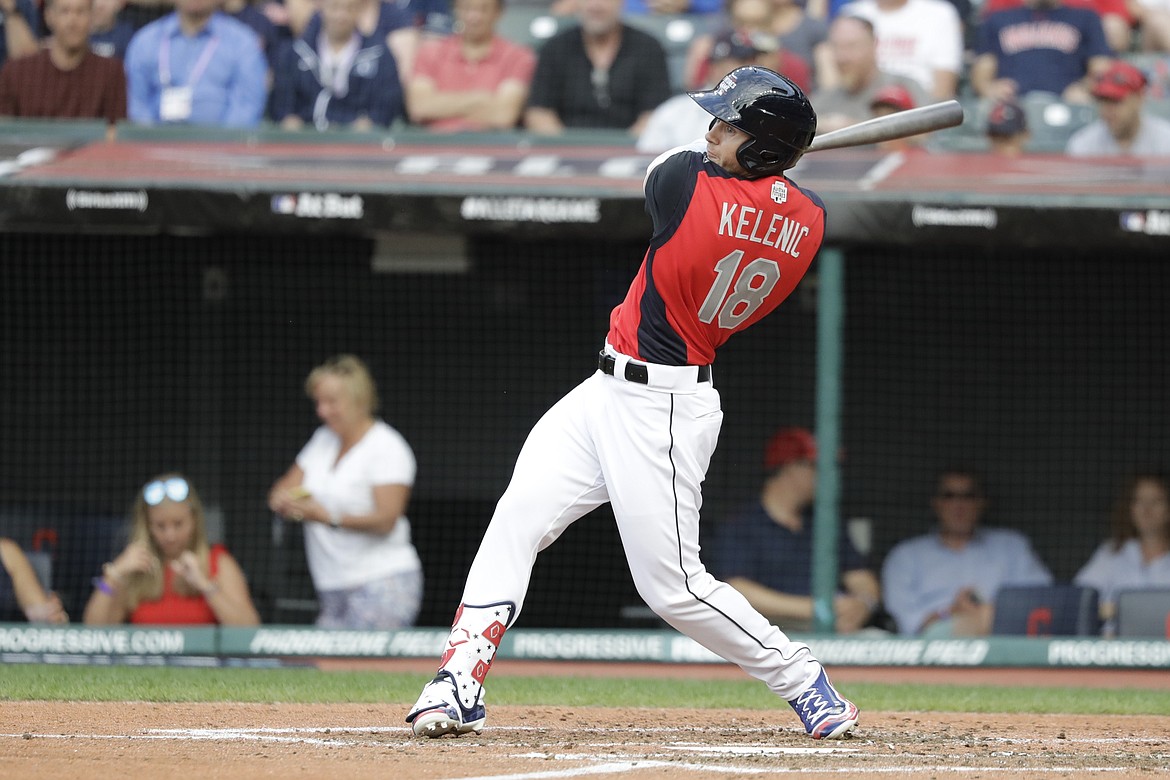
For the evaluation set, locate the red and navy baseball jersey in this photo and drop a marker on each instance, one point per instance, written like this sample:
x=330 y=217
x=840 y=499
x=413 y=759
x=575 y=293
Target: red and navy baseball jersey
x=725 y=252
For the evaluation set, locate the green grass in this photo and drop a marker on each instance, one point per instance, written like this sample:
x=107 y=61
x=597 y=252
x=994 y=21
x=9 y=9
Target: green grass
x=172 y=684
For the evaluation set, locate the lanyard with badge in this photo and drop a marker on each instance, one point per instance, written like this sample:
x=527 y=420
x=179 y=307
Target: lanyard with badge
x=175 y=105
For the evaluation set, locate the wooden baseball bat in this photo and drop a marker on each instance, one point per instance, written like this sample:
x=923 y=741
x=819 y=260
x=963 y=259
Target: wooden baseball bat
x=913 y=121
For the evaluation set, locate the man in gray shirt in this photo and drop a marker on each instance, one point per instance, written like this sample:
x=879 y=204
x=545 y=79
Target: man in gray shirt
x=1122 y=127
x=854 y=50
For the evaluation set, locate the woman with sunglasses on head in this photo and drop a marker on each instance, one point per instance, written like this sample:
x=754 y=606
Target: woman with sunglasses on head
x=350 y=486
x=169 y=573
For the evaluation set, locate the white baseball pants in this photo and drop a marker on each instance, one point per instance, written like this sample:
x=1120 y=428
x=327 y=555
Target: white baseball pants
x=644 y=448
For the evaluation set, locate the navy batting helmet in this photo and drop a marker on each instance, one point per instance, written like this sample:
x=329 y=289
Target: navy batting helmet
x=768 y=107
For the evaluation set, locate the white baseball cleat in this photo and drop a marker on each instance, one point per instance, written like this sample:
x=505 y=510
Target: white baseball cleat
x=439 y=712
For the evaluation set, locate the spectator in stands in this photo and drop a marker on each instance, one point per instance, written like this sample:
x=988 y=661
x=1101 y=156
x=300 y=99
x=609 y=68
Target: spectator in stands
x=433 y=15
x=1117 y=17
x=919 y=39
x=169 y=573
x=339 y=80
x=473 y=79
x=1123 y=126
x=891 y=99
x=680 y=120
x=945 y=583
x=19 y=29
x=1007 y=128
x=1137 y=554
x=1043 y=47
x=672 y=6
x=634 y=7
x=396 y=24
x=248 y=14
x=64 y=79
x=806 y=37
x=196 y=66
x=597 y=74
x=22 y=595
x=109 y=34
x=765 y=551
x=1152 y=17
x=350 y=486
x=757 y=20
x=854 y=48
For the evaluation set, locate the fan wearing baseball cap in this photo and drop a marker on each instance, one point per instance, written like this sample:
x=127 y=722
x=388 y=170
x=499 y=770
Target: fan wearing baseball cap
x=853 y=47
x=1123 y=127
x=765 y=550
x=1007 y=128
x=891 y=99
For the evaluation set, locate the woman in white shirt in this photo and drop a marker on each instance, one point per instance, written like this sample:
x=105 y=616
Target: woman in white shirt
x=350 y=485
x=1138 y=553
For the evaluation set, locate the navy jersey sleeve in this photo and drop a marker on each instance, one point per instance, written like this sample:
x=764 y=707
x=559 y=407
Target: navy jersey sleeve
x=669 y=188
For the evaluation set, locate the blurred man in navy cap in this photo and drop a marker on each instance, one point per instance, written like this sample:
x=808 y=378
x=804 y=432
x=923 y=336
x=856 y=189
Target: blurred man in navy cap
x=1007 y=128
x=1123 y=127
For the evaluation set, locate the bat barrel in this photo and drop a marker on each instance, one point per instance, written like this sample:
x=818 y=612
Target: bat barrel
x=914 y=121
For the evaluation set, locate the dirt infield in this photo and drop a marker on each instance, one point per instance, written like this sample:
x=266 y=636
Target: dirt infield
x=235 y=741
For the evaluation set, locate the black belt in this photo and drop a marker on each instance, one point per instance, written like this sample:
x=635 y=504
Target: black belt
x=637 y=372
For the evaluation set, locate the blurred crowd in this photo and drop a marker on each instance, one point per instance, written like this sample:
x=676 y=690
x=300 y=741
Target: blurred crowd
x=540 y=66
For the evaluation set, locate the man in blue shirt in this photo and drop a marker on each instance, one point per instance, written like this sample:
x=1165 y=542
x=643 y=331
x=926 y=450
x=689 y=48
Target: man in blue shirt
x=944 y=583
x=196 y=66
x=765 y=552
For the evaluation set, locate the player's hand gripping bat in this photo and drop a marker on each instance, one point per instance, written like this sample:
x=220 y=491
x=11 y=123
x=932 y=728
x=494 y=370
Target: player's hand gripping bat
x=913 y=121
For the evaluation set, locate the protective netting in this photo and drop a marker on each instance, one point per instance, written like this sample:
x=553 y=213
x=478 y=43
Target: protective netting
x=122 y=357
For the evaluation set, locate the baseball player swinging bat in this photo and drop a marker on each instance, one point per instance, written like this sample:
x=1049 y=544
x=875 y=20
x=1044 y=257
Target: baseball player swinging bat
x=914 y=121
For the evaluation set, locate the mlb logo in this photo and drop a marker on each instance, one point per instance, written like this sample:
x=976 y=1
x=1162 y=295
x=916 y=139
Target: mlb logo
x=284 y=204
x=779 y=191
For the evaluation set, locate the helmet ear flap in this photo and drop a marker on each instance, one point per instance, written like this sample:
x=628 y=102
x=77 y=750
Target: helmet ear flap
x=765 y=162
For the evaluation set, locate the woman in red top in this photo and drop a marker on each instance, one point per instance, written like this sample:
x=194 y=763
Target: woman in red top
x=169 y=573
